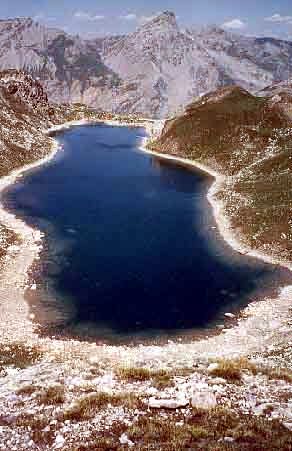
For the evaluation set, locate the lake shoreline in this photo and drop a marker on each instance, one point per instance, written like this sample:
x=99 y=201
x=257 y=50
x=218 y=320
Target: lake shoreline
x=30 y=249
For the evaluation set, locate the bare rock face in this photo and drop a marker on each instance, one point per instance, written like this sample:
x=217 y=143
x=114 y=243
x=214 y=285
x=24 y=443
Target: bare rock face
x=24 y=113
x=66 y=65
x=155 y=71
x=282 y=87
x=24 y=87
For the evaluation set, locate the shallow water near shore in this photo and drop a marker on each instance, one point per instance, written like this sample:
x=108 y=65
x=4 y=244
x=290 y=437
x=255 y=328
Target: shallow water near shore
x=131 y=248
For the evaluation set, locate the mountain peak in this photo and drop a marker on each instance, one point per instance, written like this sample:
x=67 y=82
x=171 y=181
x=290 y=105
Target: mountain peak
x=163 y=22
x=166 y=16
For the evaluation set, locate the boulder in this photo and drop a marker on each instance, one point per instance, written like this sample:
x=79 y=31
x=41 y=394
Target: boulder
x=204 y=399
x=168 y=403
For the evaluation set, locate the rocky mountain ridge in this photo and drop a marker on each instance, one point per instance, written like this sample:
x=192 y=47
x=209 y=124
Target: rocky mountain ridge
x=155 y=71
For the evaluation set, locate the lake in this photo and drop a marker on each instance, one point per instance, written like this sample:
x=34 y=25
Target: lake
x=131 y=249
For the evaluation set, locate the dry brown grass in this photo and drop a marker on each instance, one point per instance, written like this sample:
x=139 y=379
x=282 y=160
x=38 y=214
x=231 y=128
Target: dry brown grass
x=159 y=378
x=283 y=374
x=87 y=406
x=28 y=389
x=203 y=430
x=52 y=395
x=19 y=355
x=231 y=369
x=35 y=425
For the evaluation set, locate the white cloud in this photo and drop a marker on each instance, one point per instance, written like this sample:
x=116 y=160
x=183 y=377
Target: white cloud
x=278 y=18
x=129 y=17
x=140 y=19
x=235 y=24
x=82 y=15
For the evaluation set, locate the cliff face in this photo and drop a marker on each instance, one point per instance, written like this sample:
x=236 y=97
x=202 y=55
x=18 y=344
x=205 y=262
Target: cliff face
x=248 y=140
x=69 y=67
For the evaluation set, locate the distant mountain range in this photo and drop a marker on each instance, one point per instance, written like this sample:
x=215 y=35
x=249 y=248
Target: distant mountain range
x=155 y=71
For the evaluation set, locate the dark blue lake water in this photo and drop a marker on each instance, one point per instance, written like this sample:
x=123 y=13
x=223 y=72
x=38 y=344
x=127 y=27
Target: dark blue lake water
x=131 y=245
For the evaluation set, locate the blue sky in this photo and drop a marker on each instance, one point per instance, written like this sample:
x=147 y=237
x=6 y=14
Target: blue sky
x=90 y=17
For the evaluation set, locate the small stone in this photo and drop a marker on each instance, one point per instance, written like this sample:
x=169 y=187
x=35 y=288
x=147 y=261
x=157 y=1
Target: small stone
x=124 y=440
x=288 y=425
x=212 y=367
x=229 y=315
x=59 y=441
x=217 y=381
x=152 y=391
x=228 y=439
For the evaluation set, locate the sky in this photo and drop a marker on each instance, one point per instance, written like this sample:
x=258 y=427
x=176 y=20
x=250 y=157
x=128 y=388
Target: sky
x=96 y=17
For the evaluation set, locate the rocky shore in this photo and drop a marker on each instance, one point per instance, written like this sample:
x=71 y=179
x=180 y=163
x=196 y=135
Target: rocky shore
x=229 y=392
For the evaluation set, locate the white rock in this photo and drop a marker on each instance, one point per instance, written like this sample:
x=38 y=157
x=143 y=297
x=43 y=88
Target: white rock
x=212 y=367
x=201 y=386
x=59 y=441
x=13 y=248
x=152 y=391
x=288 y=425
x=217 y=381
x=229 y=315
x=228 y=439
x=204 y=399
x=124 y=440
x=168 y=403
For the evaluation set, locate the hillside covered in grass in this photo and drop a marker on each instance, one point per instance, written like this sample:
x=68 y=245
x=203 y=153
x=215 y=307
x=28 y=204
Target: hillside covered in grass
x=247 y=140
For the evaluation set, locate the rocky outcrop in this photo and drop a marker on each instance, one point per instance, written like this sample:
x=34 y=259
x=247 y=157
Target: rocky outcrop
x=24 y=113
x=68 y=66
x=155 y=71
x=246 y=140
x=280 y=88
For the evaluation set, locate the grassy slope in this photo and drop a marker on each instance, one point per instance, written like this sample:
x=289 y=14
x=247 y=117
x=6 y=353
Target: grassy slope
x=248 y=139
